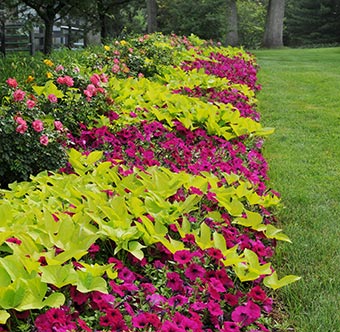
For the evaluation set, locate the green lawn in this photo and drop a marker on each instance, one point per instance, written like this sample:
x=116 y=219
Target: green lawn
x=301 y=99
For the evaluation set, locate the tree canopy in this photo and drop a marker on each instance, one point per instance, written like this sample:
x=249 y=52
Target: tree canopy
x=250 y=23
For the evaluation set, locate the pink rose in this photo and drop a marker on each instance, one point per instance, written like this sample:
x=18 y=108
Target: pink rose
x=38 y=126
x=44 y=140
x=30 y=103
x=58 y=126
x=19 y=95
x=19 y=120
x=61 y=80
x=90 y=91
x=12 y=82
x=95 y=79
x=104 y=78
x=59 y=68
x=21 y=128
x=52 y=98
x=69 y=81
x=115 y=69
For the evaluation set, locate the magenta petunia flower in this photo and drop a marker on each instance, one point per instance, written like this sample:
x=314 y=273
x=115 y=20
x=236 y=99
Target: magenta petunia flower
x=230 y=327
x=246 y=314
x=82 y=324
x=171 y=327
x=214 y=309
x=126 y=275
x=178 y=300
x=217 y=285
x=183 y=256
x=174 y=281
x=257 y=294
x=194 y=271
x=140 y=321
x=78 y=297
x=14 y=240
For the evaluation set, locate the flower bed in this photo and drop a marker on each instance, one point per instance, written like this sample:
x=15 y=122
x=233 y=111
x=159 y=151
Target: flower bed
x=161 y=220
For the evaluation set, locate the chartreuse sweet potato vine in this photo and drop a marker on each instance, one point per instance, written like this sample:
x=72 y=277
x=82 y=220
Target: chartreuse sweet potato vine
x=49 y=224
x=154 y=101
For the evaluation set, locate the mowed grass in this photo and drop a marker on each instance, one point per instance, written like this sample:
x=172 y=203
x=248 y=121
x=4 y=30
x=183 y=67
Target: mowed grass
x=301 y=99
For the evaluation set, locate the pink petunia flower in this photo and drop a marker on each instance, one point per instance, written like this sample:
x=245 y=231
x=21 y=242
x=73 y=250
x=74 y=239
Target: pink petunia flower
x=115 y=69
x=38 y=126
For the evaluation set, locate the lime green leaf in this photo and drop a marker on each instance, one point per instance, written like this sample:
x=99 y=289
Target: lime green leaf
x=13 y=295
x=86 y=283
x=4 y=315
x=47 y=89
x=253 y=220
x=219 y=242
x=273 y=282
x=231 y=256
x=55 y=300
x=135 y=248
x=93 y=157
x=275 y=233
x=57 y=275
x=5 y=278
x=204 y=240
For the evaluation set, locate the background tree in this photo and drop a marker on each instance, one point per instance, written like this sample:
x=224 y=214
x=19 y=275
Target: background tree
x=49 y=11
x=273 y=34
x=232 y=23
x=203 y=18
x=251 y=22
x=312 y=22
x=151 y=6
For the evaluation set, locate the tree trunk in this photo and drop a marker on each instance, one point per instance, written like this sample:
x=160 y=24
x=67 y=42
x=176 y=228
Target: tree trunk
x=152 y=15
x=273 y=34
x=232 y=38
x=48 y=36
x=2 y=38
